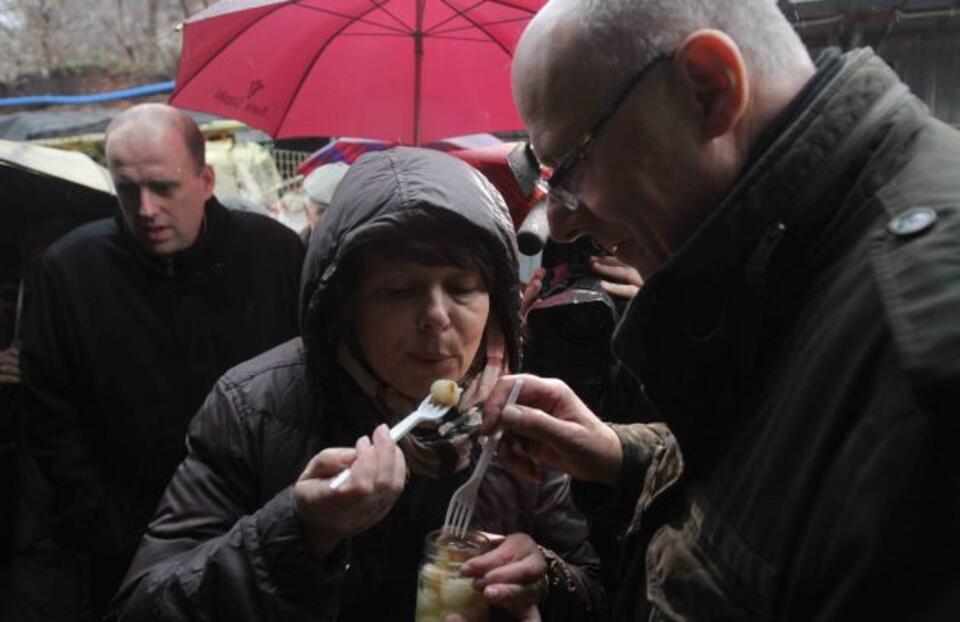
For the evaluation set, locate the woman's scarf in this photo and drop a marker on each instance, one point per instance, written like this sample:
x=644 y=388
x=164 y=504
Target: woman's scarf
x=425 y=450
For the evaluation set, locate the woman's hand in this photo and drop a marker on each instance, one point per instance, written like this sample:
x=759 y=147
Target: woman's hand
x=513 y=576
x=378 y=476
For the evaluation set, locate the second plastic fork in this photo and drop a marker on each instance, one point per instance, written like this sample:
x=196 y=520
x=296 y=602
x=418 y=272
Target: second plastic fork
x=464 y=500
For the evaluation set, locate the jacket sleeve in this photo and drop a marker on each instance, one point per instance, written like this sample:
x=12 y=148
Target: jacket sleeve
x=575 y=591
x=652 y=463
x=214 y=550
x=89 y=512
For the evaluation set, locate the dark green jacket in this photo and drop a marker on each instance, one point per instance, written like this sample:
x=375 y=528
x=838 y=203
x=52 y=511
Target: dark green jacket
x=804 y=348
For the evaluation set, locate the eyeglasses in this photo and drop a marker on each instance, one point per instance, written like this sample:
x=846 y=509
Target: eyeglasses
x=554 y=183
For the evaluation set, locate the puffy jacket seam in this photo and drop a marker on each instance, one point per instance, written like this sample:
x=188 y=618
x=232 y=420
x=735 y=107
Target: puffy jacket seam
x=235 y=381
x=400 y=182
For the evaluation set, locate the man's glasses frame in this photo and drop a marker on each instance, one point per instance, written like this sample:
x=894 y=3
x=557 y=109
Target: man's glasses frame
x=554 y=183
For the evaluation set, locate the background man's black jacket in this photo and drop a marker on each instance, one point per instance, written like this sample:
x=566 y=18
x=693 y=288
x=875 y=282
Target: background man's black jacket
x=119 y=350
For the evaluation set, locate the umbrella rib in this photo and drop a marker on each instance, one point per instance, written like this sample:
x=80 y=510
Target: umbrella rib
x=403 y=35
x=518 y=7
x=478 y=26
x=455 y=15
x=313 y=61
x=451 y=38
x=493 y=23
x=405 y=29
x=406 y=26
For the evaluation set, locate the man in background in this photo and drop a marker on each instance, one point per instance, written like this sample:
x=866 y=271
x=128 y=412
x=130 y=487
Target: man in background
x=133 y=320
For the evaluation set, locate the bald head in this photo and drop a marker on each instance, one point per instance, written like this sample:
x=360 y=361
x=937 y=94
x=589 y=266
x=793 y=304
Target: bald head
x=156 y=119
x=552 y=76
x=155 y=154
x=652 y=108
x=576 y=54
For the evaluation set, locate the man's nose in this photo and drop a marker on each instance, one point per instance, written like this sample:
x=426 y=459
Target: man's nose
x=148 y=207
x=566 y=225
x=435 y=312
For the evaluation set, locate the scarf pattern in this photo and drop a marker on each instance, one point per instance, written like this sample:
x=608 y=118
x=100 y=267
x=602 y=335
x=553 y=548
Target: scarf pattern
x=427 y=451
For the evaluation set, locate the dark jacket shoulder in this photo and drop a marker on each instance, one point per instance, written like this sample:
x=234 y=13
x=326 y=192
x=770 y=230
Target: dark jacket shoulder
x=916 y=262
x=264 y=229
x=273 y=384
x=90 y=239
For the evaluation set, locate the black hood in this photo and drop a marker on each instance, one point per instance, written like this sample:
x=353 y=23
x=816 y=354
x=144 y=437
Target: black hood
x=380 y=192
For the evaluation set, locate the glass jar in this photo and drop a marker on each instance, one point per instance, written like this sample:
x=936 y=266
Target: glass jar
x=440 y=588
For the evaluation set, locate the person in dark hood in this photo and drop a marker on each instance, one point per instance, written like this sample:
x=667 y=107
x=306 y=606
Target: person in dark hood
x=411 y=276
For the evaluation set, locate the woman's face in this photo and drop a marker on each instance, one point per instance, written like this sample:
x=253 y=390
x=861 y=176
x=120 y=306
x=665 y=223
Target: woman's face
x=417 y=323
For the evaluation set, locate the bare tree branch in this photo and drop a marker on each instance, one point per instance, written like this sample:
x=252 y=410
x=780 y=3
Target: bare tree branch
x=43 y=35
x=117 y=26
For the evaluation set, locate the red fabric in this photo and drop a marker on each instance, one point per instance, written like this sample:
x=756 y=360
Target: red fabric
x=492 y=162
x=346 y=67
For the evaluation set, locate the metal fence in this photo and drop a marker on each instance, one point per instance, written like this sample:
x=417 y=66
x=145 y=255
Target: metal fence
x=287 y=161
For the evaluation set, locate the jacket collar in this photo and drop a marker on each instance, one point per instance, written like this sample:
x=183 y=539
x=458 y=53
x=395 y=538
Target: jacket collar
x=205 y=255
x=691 y=333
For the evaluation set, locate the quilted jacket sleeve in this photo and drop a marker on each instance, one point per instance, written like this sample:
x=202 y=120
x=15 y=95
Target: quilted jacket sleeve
x=214 y=550
x=575 y=591
x=652 y=463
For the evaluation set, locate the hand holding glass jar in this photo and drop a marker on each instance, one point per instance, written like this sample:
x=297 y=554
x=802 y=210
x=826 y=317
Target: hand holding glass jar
x=460 y=578
x=512 y=575
x=441 y=589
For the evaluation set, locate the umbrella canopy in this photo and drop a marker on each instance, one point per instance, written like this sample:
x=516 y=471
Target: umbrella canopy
x=68 y=166
x=46 y=192
x=407 y=71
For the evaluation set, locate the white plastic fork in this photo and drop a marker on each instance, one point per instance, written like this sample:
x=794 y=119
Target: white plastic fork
x=464 y=500
x=426 y=411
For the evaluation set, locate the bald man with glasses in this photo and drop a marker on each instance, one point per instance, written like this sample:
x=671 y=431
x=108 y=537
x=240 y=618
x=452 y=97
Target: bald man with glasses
x=797 y=227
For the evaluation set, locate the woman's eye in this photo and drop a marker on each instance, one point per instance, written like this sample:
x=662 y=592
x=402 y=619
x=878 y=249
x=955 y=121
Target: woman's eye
x=398 y=290
x=462 y=289
x=161 y=189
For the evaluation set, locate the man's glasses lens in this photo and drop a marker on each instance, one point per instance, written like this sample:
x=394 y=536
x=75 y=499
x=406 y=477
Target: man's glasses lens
x=557 y=194
x=562 y=197
x=554 y=182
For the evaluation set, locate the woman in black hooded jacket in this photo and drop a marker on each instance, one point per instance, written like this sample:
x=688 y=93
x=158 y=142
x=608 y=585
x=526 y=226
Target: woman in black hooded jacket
x=411 y=275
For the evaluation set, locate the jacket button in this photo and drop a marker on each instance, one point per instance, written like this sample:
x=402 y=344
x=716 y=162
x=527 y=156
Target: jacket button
x=912 y=222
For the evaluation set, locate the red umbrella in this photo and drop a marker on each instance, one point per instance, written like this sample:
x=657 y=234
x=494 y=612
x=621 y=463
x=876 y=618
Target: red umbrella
x=398 y=70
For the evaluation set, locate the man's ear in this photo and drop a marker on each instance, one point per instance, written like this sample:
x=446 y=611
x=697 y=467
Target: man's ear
x=711 y=67
x=209 y=179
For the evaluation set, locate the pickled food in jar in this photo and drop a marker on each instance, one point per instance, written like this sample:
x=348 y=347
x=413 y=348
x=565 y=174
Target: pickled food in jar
x=440 y=588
